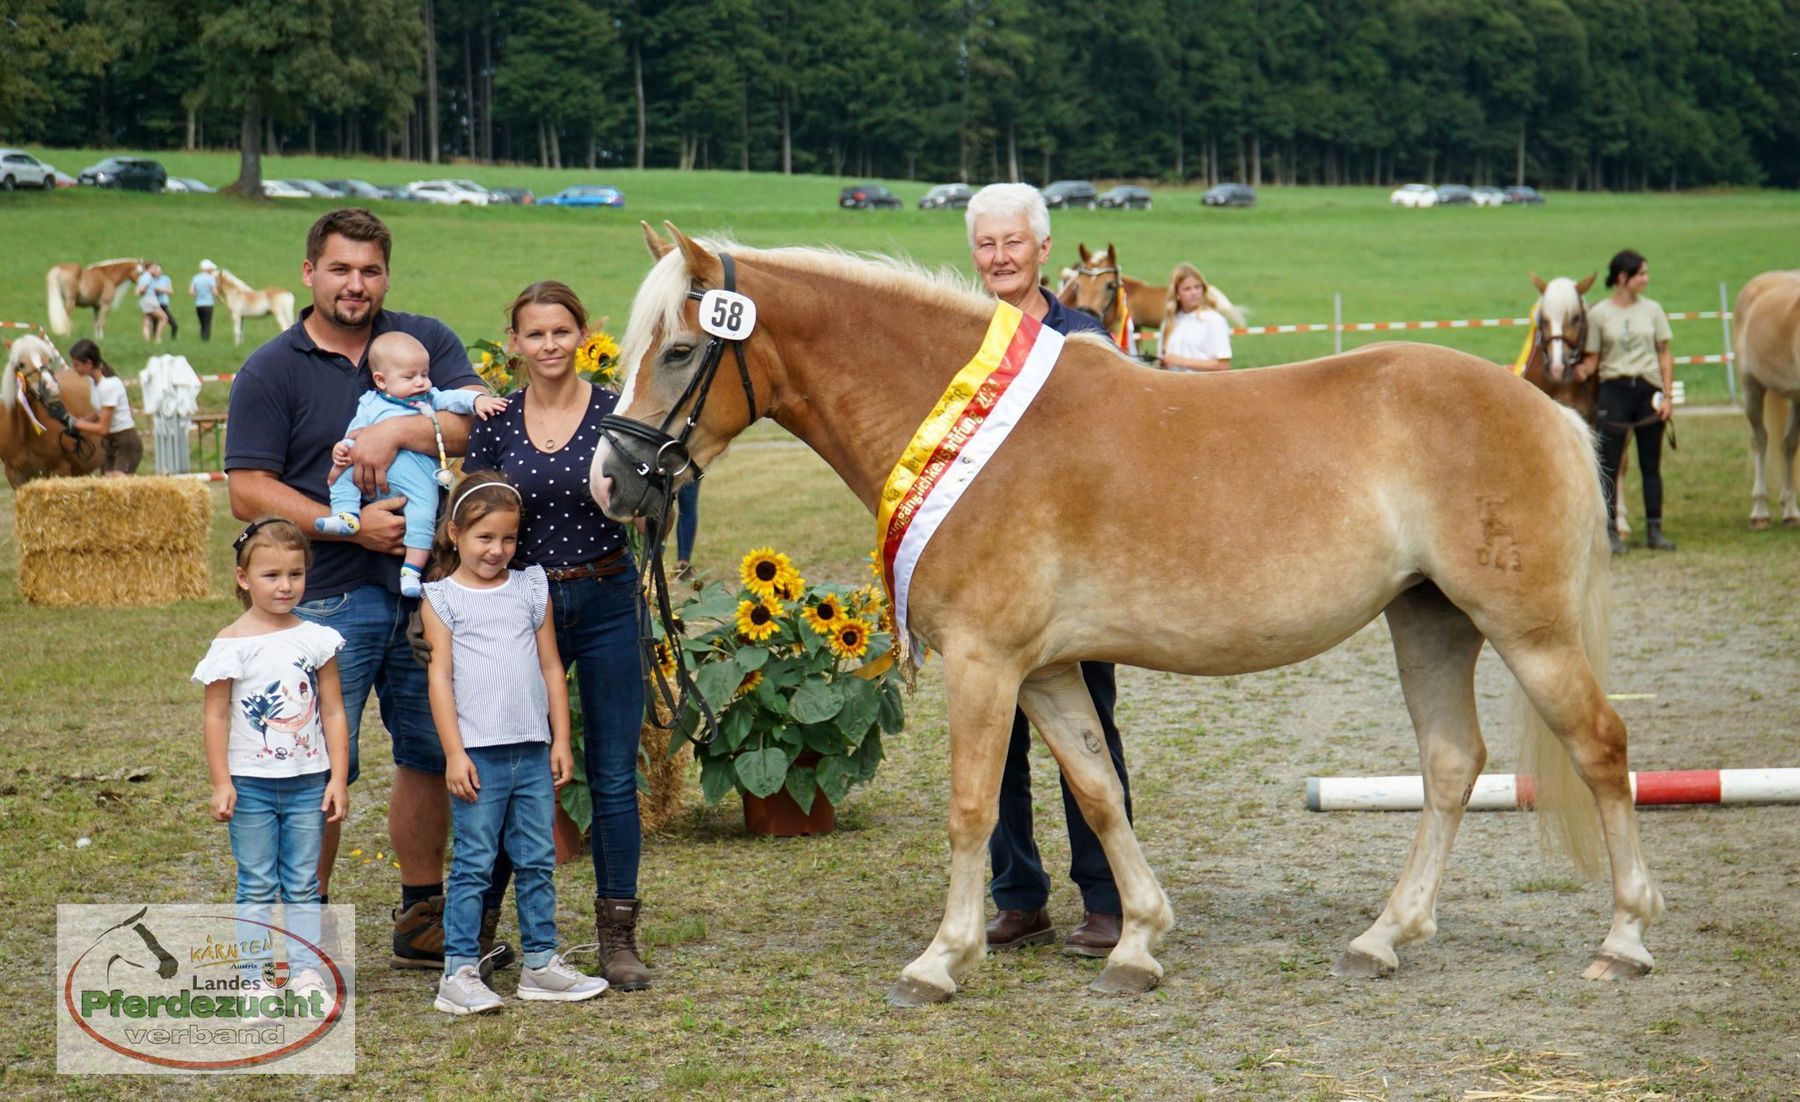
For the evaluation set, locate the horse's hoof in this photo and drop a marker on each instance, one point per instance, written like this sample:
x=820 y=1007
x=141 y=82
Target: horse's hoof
x=1358 y=965
x=1757 y=524
x=911 y=993
x=1125 y=979
x=1790 y=522
x=1610 y=968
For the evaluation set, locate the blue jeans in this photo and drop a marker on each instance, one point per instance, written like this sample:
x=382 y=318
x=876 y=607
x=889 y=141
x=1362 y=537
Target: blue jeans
x=596 y=631
x=687 y=520
x=1019 y=880
x=512 y=811
x=276 y=830
x=372 y=621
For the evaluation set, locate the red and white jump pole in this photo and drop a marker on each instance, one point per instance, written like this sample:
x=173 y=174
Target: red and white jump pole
x=1509 y=792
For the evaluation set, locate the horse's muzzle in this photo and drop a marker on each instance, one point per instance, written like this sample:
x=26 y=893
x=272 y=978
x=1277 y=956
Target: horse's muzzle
x=619 y=484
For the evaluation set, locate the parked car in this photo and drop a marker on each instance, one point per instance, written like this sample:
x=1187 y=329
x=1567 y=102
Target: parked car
x=318 y=189
x=947 y=197
x=356 y=189
x=1068 y=194
x=1414 y=195
x=584 y=195
x=1519 y=193
x=397 y=191
x=1125 y=197
x=1454 y=195
x=130 y=173
x=187 y=185
x=1488 y=196
x=868 y=197
x=521 y=196
x=20 y=169
x=1229 y=195
x=284 y=189
x=449 y=193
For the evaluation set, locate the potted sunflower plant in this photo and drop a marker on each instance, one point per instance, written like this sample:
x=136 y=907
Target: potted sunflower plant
x=802 y=681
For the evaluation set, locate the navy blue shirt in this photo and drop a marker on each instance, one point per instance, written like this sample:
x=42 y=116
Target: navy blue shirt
x=562 y=526
x=1068 y=321
x=292 y=400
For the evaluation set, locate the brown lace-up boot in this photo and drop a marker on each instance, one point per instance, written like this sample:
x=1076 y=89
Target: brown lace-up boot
x=490 y=927
x=616 y=922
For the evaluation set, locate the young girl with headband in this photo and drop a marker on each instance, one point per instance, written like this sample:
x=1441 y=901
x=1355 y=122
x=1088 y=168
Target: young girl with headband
x=502 y=712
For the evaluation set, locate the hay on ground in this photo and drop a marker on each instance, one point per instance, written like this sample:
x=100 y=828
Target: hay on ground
x=112 y=541
x=666 y=775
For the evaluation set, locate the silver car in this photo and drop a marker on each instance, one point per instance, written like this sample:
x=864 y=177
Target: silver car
x=20 y=169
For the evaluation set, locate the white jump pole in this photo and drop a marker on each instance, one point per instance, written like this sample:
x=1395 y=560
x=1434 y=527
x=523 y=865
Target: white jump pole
x=1508 y=792
x=1725 y=327
x=1337 y=321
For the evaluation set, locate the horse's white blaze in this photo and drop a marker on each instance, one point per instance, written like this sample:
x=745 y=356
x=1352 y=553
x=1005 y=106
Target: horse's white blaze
x=1560 y=306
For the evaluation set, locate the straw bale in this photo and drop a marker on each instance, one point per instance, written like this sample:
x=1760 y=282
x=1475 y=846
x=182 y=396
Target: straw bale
x=667 y=776
x=112 y=541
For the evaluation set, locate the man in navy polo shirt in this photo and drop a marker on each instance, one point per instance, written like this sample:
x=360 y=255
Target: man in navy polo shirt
x=1009 y=241
x=289 y=405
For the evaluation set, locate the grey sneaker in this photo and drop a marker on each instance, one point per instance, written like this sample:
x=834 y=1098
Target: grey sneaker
x=558 y=981
x=464 y=993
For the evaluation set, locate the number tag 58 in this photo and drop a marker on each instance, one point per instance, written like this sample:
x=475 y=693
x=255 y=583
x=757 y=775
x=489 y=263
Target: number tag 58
x=727 y=314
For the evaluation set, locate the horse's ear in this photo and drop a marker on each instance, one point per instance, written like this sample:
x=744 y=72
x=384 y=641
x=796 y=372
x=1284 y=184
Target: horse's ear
x=657 y=246
x=1112 y=254
x=1081 y=247
x=702 y=265
x=1538 y=282
x=1582 y=287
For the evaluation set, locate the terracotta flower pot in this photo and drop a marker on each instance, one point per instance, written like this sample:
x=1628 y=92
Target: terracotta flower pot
x=570 y=841
x=780 y=817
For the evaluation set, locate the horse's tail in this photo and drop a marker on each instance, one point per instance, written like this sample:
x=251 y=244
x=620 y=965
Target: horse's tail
x=282 y=302
x=57 y=289
x=1224 y=305
x=1567 y=818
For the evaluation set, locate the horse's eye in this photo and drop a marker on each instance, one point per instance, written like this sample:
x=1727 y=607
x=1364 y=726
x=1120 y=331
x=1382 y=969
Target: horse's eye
x=677 y=352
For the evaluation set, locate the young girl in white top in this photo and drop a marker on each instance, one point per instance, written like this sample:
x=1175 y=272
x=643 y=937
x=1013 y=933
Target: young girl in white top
x=502 y=711
x=121 y=448
x=277 y=743
x=1195 y=337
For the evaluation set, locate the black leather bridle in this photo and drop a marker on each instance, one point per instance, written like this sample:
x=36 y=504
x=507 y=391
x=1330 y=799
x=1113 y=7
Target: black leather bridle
x=1540 y=345
x=1114 y=288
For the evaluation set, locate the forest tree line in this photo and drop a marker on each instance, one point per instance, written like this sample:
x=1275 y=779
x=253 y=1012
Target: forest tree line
x=1618 y=94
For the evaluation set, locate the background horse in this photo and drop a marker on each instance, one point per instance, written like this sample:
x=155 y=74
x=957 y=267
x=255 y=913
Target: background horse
x=38 y=404
x=1463 y=507
x=1766 y=335
x=100 y=286
x=243 y=302
x=1098 y=285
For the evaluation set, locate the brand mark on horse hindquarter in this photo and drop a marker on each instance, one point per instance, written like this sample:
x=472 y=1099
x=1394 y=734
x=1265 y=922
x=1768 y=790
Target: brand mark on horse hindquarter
x=1091 y=741
x=1497 y=548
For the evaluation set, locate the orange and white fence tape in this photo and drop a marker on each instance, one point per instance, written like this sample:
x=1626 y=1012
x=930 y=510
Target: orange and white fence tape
x=1458 y=323
x=1511 y=792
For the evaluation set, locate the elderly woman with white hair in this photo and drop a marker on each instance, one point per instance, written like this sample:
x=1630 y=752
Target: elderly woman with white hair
x=1009 y=240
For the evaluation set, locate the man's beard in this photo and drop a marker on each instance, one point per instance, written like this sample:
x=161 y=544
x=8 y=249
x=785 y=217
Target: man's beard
x=335 y=313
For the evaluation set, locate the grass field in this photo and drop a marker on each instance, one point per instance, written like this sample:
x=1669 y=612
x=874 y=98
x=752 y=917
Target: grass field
x=773 y=956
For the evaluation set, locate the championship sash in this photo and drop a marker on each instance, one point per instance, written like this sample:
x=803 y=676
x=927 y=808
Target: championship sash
x=967 y=426
x=1126 y=330
x=1518 y=365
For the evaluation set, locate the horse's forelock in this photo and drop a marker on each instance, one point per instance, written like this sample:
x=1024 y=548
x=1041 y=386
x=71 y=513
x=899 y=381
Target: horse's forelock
x=1562 y=302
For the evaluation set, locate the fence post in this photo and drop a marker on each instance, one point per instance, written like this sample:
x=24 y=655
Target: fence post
x=1730 y=359
x=1337 y=321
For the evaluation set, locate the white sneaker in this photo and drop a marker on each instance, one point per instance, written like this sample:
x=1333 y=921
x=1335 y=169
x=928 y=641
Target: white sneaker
x=309 y=982
x=558 y=981
x=464 y=993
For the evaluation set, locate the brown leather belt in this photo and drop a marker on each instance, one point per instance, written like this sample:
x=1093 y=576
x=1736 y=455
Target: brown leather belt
x=615 y=563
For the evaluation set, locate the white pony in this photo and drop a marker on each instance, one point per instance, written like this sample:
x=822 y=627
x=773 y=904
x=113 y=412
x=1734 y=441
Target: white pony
x=243 y=302
x=1767 y=339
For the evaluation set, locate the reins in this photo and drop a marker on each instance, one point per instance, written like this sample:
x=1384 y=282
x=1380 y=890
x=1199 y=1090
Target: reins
x=53 y=405
x=670 y=460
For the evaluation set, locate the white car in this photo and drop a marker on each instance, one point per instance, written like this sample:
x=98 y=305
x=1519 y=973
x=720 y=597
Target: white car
x=449 y=193
x=1489 y=197
x=20 y=169
x=1414 y=195
x=281 y=189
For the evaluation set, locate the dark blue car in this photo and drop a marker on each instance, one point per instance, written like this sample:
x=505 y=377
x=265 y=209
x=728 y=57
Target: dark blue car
x=584 y=195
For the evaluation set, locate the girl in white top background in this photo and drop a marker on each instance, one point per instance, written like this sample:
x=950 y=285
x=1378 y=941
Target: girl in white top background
x=1195 y=337
x=122 y=448
x=501 y=705
x=277 y=742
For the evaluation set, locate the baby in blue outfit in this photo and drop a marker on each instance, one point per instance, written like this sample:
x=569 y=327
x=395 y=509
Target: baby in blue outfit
x=402 y=371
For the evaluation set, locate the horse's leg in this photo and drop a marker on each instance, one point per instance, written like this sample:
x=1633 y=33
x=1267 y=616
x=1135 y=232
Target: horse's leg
x=1057 y=702
x=1754 y=393
x=237 y=327
x=1790 y=444
x=982 y=695
x=1435 y=645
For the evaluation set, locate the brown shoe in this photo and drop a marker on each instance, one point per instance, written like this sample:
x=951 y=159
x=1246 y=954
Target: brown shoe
x=1095 y=937
x=1012 y=929
x=490 y=943
x=419 y=935
x=615 y=920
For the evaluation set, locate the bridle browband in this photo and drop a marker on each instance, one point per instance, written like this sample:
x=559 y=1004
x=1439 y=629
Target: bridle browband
x=670 y=459
x=1118 y=286
x=1540 y=341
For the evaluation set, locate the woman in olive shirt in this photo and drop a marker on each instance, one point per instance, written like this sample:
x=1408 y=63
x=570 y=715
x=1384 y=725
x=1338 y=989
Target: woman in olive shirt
x=1628 y=341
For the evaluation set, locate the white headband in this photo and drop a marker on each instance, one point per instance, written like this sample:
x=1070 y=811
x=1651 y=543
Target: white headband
x=507 y=486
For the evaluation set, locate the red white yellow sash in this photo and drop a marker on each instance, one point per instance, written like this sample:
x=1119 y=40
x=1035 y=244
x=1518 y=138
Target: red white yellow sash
x=1124 y=331
x=967 y=426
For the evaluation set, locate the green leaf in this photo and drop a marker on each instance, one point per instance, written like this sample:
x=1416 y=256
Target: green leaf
x=893 y=710
x=717 y=682
x=714 y=603
x=716 y=778
x=737 y=725
x=862 y=702
x=867 y=756
x=802 y=783
x=772 y=697
x=823 y=737
x=578 y=803
x=677 y=736
x=834 y=779
x=751 y=659
x=762 y=771
x=783 y=674
x=816 y=702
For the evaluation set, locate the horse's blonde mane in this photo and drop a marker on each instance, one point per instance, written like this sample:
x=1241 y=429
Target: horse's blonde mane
x=226 y=276
x=116 y=260
x=27 y=345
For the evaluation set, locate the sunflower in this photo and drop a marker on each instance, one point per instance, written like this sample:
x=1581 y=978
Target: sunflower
x=875 y=562
x=665 y=659
x=758 y=620
x=825 y=616
x=764 y=569
x=748 y=684
x=851 y=640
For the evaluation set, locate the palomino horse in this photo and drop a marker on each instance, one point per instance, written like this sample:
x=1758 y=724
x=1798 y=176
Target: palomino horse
x=246 y=303
x=1766 y=335
x=100 y=286
x=38 y=403
x=1460 y=503
x=1098 y=285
